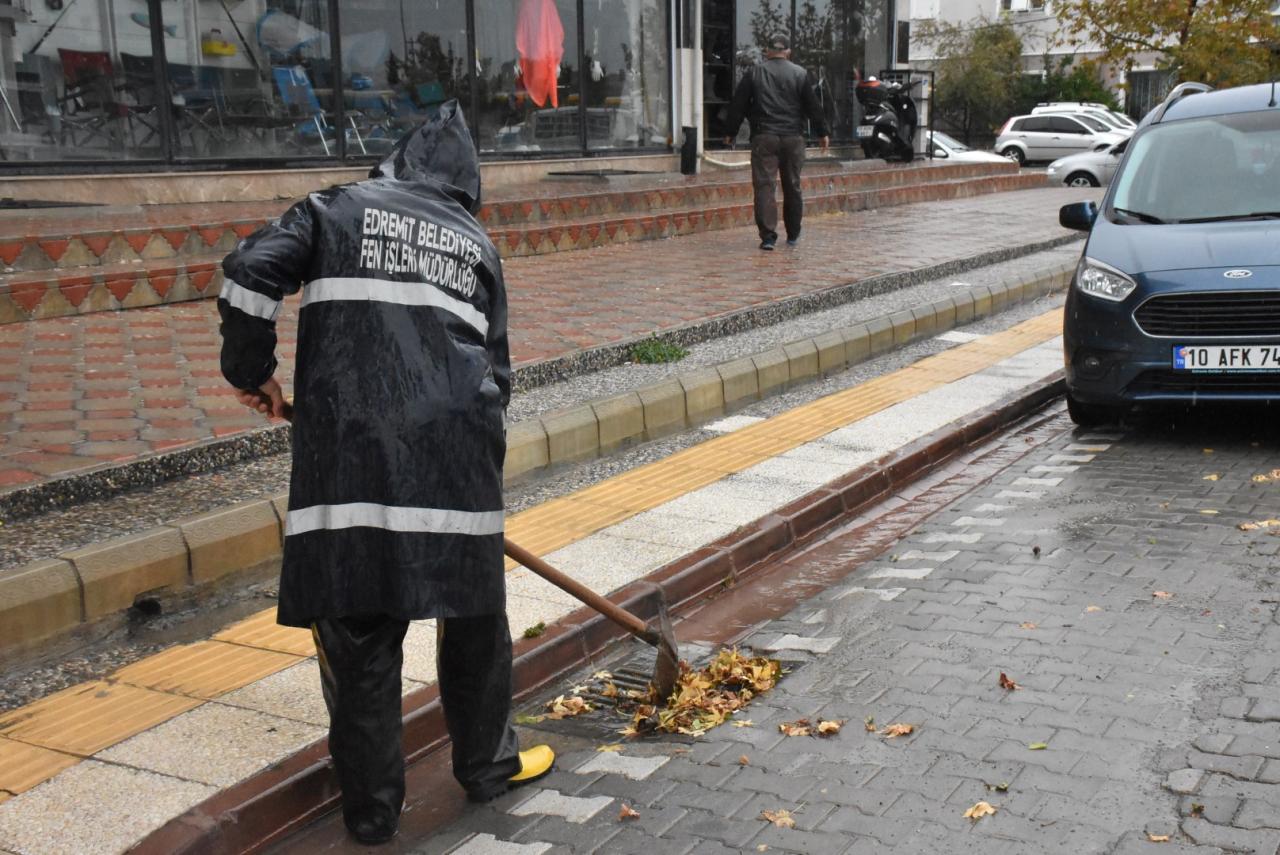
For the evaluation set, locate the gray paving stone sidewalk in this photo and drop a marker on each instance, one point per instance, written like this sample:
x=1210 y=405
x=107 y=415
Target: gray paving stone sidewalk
x=1160 y=715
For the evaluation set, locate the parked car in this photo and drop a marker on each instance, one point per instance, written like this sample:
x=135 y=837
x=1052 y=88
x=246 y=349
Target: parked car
x=1029 y=139
x=1090 y=168
x=1098 y=111
x=1177 y=295
x=949 y=148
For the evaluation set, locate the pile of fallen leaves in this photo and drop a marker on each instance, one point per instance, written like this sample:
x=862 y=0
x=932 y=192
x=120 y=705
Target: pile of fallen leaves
x=702 y=698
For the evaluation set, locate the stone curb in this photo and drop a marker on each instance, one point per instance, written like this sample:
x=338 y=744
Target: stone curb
x=254 y=814
x=113 y=479
x=51 y=598
x=245 y=538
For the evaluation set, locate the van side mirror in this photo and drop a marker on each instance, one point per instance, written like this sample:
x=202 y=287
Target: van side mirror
x=940 y=152
x=1078 y=216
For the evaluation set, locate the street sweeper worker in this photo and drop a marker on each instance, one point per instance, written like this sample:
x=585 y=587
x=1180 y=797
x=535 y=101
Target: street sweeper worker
x=401 y=383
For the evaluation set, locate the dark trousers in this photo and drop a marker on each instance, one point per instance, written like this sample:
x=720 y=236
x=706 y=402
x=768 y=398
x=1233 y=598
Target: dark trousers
x=360 y=661
x=773 y=156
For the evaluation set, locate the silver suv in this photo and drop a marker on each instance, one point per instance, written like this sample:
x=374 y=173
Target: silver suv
x=1047 y=137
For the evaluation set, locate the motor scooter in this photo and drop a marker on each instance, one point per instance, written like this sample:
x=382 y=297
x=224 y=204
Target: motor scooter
x=888 y=127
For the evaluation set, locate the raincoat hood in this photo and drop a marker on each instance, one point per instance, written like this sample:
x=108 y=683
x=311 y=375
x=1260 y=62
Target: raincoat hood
x=440 y=151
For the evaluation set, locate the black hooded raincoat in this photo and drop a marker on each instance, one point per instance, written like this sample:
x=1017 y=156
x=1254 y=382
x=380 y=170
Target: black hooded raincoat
x=401 y=384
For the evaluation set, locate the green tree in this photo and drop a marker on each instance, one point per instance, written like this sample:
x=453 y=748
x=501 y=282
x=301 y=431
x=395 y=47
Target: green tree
x=979 y=73
x=1220 y=42
x=1066 y=80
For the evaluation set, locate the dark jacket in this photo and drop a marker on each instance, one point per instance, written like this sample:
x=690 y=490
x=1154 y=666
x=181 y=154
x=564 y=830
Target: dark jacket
x=776 y=97
x=400 y=388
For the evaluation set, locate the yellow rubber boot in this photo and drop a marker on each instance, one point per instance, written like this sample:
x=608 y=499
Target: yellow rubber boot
x=535 y=762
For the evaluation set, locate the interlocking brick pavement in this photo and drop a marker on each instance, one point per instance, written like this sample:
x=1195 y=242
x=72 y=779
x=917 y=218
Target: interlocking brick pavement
x=78 y=393
x=1160 y=715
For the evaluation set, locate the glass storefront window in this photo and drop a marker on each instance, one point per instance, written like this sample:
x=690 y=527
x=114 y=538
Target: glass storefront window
x=77 y=82
x=252 y=79
x=401 y=61
x=527 y=64
x=627 y=73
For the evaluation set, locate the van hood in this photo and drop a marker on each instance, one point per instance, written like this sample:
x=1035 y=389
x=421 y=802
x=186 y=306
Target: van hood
x=439 y=151
x=1139 y=248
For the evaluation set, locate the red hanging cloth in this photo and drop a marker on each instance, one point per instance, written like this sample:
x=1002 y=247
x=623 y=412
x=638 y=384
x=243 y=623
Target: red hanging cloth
x=540 y=42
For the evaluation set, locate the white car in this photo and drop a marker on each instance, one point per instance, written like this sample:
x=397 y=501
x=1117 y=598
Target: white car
x=1098 y=111
x=1049 y=136
x=1093 y=168
x=949 y=148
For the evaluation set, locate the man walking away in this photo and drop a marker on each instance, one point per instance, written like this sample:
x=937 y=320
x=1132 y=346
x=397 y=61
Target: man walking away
x=776 y=97
x=395 y=500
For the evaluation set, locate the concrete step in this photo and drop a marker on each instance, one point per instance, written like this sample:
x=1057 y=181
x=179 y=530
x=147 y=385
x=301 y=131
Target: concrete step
x=87 y=238
x=156 y=281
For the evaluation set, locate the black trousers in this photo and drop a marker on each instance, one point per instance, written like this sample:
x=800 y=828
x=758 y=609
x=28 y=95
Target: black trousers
x=773 y=156
x=360 y=662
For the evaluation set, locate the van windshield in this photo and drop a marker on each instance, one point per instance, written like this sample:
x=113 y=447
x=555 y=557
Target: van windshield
x=1090 y=121
x=1199 y=170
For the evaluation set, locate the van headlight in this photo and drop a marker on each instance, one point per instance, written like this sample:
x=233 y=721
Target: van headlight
x=1101 y=280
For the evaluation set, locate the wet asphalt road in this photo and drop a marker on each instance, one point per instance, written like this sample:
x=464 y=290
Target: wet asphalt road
x=1105 y=572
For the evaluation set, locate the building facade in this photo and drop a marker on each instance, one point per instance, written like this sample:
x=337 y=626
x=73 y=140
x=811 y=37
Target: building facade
x=1138 y=89
x=182 y=85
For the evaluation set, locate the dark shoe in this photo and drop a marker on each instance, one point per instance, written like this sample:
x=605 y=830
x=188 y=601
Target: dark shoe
x=373 y=833
x=792 y=241
x=767 y=245
x=536 y=762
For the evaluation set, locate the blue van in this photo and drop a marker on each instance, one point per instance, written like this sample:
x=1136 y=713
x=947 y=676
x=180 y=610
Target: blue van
x=1177 y=295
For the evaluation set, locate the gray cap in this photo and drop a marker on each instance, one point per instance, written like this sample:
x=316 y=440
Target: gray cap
x=779 y=41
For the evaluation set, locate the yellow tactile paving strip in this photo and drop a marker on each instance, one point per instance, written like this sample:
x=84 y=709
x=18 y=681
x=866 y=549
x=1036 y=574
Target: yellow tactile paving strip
x=87 y=718
x=22 y=766
x=204 y=670
x=262 y=631
x=43 y=738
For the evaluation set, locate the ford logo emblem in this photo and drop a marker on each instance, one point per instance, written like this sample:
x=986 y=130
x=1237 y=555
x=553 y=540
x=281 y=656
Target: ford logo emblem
x=1238 y=274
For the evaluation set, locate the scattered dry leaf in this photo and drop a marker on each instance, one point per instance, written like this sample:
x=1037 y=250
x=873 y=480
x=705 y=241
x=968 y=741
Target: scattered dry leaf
x=1026 y=624
x=1209 y=512
x=799 y=727
x=563 y=707
x=1208 y=451
x=899 y=729
x=577 y=690
x=744 y=760
x=702 y=698
x=1006 y=683
x=763 y=847
x=1162 y=595
x=602 y=675
x=613 y=748
x=1094 y=609
x=780 y=818
x=746 y=722
x=829 y=728
x=1196 y=808
x=869 y=723
x=1158 y=838
x=529 y=719
x=1273 y=475
x=1254 y=526
x=1214 y=477
x=628 y=812
x=1038 y=746
x=979 y=810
